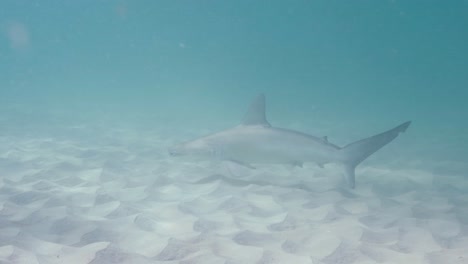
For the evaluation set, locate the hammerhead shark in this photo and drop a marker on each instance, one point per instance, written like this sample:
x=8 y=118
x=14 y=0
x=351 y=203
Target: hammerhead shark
x=256 y=141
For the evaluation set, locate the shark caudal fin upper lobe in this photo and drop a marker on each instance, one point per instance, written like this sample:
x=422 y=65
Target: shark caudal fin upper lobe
x=356 y=152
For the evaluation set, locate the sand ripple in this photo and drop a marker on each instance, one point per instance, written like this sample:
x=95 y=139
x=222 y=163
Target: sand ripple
x=114 y=202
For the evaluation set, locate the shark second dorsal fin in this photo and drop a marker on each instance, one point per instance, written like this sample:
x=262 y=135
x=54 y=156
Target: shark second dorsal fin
x=256 y=113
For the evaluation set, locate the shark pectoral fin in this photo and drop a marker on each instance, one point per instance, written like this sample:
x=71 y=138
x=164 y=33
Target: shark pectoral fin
x=320 y=165
x=247 y=165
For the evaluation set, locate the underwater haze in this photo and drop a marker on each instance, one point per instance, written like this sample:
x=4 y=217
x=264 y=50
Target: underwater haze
x=94 y=93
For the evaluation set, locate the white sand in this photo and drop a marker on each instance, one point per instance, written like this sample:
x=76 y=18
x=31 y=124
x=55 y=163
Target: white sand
x=115 y=196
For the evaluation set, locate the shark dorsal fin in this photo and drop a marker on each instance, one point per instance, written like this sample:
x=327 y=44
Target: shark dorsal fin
x=256 y=113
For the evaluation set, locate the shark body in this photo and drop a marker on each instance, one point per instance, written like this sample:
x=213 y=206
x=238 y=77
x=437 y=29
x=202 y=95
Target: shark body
x=256 y=141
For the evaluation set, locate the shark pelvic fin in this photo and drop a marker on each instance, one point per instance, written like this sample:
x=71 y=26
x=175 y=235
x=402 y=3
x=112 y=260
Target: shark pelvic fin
x=256 y=113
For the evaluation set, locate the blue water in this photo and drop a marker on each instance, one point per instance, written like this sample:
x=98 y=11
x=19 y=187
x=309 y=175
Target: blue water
x=361 y=64
x=345 y=69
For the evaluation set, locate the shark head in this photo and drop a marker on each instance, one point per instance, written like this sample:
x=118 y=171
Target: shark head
x=196 y=148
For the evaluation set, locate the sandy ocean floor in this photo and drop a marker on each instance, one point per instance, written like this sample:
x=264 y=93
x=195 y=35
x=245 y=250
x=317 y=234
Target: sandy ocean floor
x=95 y=194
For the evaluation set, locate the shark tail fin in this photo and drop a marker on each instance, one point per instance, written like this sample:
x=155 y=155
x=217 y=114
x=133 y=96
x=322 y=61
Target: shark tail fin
x=358 y=151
